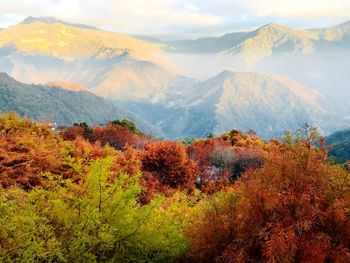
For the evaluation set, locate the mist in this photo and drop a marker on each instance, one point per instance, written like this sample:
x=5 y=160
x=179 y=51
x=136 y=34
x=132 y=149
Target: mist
x=327 y=73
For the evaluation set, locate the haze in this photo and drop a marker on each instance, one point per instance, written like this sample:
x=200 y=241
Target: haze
x=180 y=18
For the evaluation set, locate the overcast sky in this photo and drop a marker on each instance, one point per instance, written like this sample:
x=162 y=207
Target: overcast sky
x=184 y=18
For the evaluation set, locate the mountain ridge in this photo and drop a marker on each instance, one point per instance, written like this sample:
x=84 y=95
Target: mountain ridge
x=176 y=104
x=64 y=107
x=266 y=103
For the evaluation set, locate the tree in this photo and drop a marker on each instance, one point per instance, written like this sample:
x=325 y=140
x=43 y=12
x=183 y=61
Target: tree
x=212 y=157
x=128 y=124
x=170 y=163
x=114 y=135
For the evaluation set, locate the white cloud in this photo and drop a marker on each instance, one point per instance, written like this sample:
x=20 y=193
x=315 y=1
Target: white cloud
x=9 y=19
x=339 y=9
x=178 y=16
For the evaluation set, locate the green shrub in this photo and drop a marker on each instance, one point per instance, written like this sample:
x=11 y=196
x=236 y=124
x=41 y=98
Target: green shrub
x=99 y=221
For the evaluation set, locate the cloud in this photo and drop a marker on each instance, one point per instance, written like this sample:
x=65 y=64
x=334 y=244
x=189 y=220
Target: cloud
x=339 y=9
x=9 y=19
x=178 y=16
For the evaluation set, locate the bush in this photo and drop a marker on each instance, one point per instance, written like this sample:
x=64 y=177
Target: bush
x=27 y=151
x=168 y=161
x=295 y=208
x=97 y=221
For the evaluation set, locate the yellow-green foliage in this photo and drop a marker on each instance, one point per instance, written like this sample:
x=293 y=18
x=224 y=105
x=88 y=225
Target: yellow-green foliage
x=99 y=221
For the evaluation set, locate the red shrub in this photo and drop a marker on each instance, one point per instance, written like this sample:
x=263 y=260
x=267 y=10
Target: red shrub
x=114 y=135
x=73 y=132
x=295 y=208
x=170 y=163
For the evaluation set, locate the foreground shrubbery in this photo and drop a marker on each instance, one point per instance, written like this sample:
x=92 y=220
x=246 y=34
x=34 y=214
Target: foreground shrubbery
x=99 y=220
x=295 y=208
x=96 y=195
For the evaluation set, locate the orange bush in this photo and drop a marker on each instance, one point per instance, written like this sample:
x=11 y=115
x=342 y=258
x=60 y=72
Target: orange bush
x=168 y=161
x=295 y=208
x=27 y=150
x=113 y=135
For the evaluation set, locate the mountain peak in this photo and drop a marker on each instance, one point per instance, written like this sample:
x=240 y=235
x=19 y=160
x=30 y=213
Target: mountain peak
x=273 y=26
x=47 y=20
x=5 y=76
x=224 y=74
x=52 y=20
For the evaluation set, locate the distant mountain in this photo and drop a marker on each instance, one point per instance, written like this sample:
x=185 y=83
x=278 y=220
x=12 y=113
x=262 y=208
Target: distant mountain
x=139 y=77
x=337 y=33
x=67 y=85
x=207 y=44
x=266 y=103
x=54 y=38
x=317 y=58
x=270 y=39
x=52 y=20
x=134 y=80
x=42 y=50
x=61 y=106
x=340 y=145
x=266 y=40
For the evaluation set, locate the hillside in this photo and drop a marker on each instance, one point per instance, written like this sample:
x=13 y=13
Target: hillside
x=340 y=145
x=42 y=50
x=50 y=37
x=61 y=106
x=134 y=80
x=266 y=103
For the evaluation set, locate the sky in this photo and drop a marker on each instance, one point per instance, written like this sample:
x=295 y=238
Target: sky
x=180 y=18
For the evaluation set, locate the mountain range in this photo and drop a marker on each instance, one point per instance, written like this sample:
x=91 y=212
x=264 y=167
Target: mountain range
x=146 y=78
x=53 y=103
x=266 y=103
x=317 y=58
x=266 y=40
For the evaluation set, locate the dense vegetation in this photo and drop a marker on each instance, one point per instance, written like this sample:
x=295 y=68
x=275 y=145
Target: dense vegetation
x=113 y=194
x=53 y=103
x=340 y=142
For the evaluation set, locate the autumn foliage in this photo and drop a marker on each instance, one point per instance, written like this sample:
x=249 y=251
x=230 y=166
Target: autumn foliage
x=112 y=194
x=169 y=164
x=223 y=159
x=27 y=151
x=295 y=208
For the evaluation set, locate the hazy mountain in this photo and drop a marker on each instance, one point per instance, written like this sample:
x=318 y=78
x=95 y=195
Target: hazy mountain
x=206 y=44
x=266 y=103
x=50 y=37
x=133 y=80
x=266 y=40
x=340 y=145
x=317 y=58
x=60 y=105
x=42 y=50
x=67 y=85
x=138 y=76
